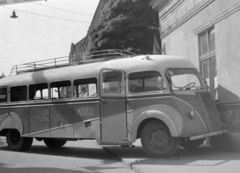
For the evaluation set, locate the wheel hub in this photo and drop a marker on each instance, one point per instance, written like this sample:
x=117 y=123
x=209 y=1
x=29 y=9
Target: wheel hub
x=160 y=139
x=15 y=138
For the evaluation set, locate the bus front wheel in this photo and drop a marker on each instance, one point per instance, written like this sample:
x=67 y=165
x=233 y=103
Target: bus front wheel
x=157 y=140
x=16 y=142
x=54 y=143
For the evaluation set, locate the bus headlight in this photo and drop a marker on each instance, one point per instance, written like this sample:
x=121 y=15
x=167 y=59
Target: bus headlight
x=191 y=113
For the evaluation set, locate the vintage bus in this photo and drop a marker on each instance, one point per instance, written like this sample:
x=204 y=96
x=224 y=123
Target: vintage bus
x=110 y=96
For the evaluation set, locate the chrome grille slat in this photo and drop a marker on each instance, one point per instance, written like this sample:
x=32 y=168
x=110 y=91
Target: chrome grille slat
x=211 y=112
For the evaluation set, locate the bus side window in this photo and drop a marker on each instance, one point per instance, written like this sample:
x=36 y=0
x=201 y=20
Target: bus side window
x=145 y=81
x=18 y=93
x=3 y=95
x=60 y=90
x=112 y=82
x=85 y=87
x=38 y=91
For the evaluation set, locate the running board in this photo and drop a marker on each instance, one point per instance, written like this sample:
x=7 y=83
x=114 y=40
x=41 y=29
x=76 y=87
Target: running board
x=126 y=142
x=208 y=135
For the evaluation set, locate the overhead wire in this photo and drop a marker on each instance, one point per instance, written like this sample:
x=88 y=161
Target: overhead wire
x=57 y=28
x=48 y=16
x=52 y=26
x=62 y=9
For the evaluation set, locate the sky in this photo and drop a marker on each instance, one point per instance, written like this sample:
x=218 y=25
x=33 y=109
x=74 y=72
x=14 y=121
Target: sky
x=32 y=37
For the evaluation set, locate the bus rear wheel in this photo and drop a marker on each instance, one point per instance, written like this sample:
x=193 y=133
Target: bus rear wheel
x=16 y=142
x=157 y=140
x=54 y=143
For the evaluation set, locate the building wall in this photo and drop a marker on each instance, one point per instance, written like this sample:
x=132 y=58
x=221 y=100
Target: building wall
x=183 y=40
x=228 y=53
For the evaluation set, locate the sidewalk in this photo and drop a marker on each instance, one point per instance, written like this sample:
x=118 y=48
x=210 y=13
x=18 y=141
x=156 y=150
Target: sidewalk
x=204 y=159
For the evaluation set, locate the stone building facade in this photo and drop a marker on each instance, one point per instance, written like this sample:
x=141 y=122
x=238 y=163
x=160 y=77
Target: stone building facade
x=77 y=50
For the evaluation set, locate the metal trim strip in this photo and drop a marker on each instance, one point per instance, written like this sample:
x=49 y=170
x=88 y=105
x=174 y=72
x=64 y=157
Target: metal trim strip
x=68 y=125
x=208 y=135
x=50 y=103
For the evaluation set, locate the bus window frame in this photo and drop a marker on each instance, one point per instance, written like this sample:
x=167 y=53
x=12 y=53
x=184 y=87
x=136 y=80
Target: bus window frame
x=89 y=97
x=148 y=92
x=201 y=81
x=50 y=92
x=37 y=100
x=10 y=94
x=101 y=89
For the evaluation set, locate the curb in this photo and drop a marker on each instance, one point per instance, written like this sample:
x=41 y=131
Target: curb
x=129 y=165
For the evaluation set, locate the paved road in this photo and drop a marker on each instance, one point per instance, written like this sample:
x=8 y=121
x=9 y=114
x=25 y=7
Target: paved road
x=88 y=156
x=202 y=160
x=74 y=157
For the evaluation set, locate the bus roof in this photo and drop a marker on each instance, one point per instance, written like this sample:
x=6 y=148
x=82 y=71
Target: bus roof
x=129 y=64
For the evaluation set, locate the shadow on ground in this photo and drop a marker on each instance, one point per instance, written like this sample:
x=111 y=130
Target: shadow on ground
x=67 y=151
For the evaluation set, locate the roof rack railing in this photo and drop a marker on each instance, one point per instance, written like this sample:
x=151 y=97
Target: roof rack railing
x=87 y=57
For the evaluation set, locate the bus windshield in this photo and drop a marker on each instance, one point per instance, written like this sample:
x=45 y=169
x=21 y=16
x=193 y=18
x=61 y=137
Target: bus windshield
x=185 y=79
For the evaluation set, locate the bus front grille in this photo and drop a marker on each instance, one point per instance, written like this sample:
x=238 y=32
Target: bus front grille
x=211 y=114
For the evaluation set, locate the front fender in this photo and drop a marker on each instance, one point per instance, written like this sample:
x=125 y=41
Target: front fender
x=11 y=121
x=164 y=113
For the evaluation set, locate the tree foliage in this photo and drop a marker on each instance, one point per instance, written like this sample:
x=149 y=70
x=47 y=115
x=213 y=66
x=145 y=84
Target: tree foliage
x=125 y=24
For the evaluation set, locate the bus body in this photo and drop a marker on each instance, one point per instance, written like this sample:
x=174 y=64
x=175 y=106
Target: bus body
x=158 y=98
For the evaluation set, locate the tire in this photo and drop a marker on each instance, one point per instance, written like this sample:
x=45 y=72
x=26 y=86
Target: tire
x=16 y=142
x=187 y=144
x=157 y=140
x=54 y=143
x=63 y=143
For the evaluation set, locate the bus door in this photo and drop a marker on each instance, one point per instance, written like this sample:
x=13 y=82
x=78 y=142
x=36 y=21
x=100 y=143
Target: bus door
x=113 y=107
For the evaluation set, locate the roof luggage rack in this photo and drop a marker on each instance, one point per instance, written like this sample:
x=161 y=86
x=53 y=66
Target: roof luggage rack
x=88 y=57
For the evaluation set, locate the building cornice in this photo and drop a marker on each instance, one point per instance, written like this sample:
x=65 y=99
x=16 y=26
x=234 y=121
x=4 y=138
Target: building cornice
x=219 y=17
x=170 y=24
x=163 y=6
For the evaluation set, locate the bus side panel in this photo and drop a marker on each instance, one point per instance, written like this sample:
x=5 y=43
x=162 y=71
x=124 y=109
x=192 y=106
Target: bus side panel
x=88 y=130
x=192 y=126
x=3 y=111
x=24 y=115
x=86 y=120
x=39 y=120
x=113 y=121
x=61 y=121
